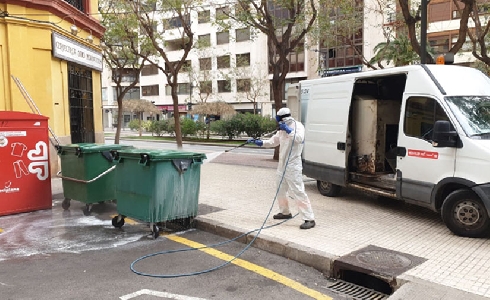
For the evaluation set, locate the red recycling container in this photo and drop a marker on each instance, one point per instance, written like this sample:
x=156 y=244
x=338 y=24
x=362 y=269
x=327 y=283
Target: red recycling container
x=25 y=179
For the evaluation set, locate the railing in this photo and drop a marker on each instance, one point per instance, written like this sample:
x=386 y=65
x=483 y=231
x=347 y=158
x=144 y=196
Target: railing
x=78 y=4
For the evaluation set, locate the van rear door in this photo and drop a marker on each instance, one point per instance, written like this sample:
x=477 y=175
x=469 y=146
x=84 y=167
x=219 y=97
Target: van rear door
x=326 y=129
x=420 y=166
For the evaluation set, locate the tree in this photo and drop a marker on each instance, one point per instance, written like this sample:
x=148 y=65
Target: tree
x=165 y=27
x=412 y=17
x=399 y=51
x=121 y=52
x=285 y=23
x=479 y=35
x=252 y=83
x=140 y=106
x=217 y=108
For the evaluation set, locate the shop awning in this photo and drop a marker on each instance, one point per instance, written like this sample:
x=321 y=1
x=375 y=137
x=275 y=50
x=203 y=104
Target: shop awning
x=171 y=107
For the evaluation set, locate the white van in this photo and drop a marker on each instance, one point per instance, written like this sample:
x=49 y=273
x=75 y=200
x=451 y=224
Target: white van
x=417 y=133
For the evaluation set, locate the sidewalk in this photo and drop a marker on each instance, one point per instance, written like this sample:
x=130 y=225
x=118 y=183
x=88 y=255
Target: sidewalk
x=422 y=257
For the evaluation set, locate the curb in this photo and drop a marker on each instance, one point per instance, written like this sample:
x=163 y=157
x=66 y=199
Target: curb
x=404 y=289
x=319 y=260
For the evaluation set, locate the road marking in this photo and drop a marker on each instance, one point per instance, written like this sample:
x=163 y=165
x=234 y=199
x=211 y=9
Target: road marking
x=158 y=294
x=252 y=267
x=1 y=230
x=127 y=220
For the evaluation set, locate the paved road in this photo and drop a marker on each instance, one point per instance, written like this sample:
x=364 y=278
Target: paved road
x=58 y=254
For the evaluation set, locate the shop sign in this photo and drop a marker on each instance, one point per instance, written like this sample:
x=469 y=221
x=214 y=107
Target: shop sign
x=171 y=107
x=340 y=71
x=73 y=51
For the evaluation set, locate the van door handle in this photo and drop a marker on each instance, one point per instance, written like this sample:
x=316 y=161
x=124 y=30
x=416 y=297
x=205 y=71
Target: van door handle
x=401 y=151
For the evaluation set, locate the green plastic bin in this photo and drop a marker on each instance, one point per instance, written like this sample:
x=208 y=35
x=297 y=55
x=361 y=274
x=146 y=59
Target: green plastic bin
x=157 y=186
x=87 y=172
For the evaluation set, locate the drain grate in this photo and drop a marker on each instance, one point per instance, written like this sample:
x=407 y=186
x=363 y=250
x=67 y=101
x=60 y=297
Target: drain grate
x=355 y=291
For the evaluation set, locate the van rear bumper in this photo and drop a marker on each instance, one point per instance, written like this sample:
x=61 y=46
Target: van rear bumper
x=323 y=172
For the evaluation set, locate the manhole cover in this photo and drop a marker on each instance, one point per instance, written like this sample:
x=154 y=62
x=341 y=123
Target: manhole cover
x=383 y=259
x=373 y=259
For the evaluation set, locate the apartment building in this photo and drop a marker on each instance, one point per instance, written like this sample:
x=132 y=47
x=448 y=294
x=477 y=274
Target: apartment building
x=230 y=66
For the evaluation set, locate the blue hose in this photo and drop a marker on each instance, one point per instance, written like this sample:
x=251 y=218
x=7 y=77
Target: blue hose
x=219 y=244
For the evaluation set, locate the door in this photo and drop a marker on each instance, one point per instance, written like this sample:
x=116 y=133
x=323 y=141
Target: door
x=80 y=93
x=421 y=165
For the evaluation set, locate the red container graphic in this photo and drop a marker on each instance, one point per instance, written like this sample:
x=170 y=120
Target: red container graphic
x=25 y=180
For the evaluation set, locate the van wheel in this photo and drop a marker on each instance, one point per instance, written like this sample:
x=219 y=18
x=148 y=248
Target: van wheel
x=328 y=189
x=465 y=214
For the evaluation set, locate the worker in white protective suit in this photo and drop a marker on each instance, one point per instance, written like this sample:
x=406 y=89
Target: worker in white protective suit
x=290 y=134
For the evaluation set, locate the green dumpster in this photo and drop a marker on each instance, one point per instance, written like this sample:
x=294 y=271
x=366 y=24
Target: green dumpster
x=157 y=186
x=87 y=172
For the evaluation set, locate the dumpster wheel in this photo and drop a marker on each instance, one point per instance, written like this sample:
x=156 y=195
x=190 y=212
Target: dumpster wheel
x=66 y=203
x=155 y=231
x=118 y=221
x=87 y=209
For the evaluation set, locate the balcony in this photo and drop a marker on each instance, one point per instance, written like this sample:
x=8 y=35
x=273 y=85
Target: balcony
x=78 y=4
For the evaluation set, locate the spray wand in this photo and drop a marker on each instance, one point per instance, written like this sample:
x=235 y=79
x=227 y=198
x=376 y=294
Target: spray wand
x=241 y=145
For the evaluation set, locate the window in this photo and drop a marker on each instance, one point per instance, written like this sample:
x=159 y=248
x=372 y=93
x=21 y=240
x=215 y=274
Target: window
x=204 y=40
x=222 y=37
x=149 y=70
x=420 y=115
x=224 y=86
x=206 y=87
x=243 y=85
x=243 y=60
x=150 y=90
x=104 y=94
x=222 y=13
x=203 y=17
x=184 y=89
x=78 y=4
x=176 y=22
x=223 y=62
x=439 y=11
x=439 y=44
x=243 y=34
x=205 y=64
x=133 y=93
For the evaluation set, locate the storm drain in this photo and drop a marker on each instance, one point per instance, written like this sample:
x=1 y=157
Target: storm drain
x=355 y=292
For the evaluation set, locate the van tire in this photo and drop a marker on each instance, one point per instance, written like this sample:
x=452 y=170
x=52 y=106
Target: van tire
x=328 y=189
x=465 y=214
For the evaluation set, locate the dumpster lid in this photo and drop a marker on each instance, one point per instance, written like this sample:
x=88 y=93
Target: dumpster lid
x=20 y=115
x=91 y=147
x=159 y=154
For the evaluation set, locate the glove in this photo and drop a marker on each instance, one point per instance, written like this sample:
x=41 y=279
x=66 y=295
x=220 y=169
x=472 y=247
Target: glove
x=259 y=143
x=250 y=141
x=283 y=126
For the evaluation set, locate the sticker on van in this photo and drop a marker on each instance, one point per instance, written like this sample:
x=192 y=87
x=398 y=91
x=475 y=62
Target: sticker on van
x=423 y=154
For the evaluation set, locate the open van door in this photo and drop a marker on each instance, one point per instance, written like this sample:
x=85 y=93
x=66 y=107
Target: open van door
x=326 y=137
x=420 y=165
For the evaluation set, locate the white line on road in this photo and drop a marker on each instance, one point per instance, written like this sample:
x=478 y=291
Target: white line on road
x=158 y=294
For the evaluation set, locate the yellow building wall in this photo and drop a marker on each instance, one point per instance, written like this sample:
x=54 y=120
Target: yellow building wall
x=25 y=52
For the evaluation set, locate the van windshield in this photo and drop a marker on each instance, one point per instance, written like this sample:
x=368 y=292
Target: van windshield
x=473 y=114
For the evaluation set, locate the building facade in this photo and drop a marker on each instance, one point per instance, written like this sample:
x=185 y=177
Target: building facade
x=230 y=66
x=51 y=47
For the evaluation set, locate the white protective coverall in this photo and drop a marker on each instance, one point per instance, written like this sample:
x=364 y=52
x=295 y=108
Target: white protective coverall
x=292 y=183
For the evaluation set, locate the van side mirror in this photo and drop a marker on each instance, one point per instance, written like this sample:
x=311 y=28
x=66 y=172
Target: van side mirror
x=443 y=136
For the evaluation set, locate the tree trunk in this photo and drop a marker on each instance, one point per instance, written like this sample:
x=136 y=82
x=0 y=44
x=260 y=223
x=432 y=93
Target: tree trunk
x=178 y=130
x=140 y=116
x=119 y=121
